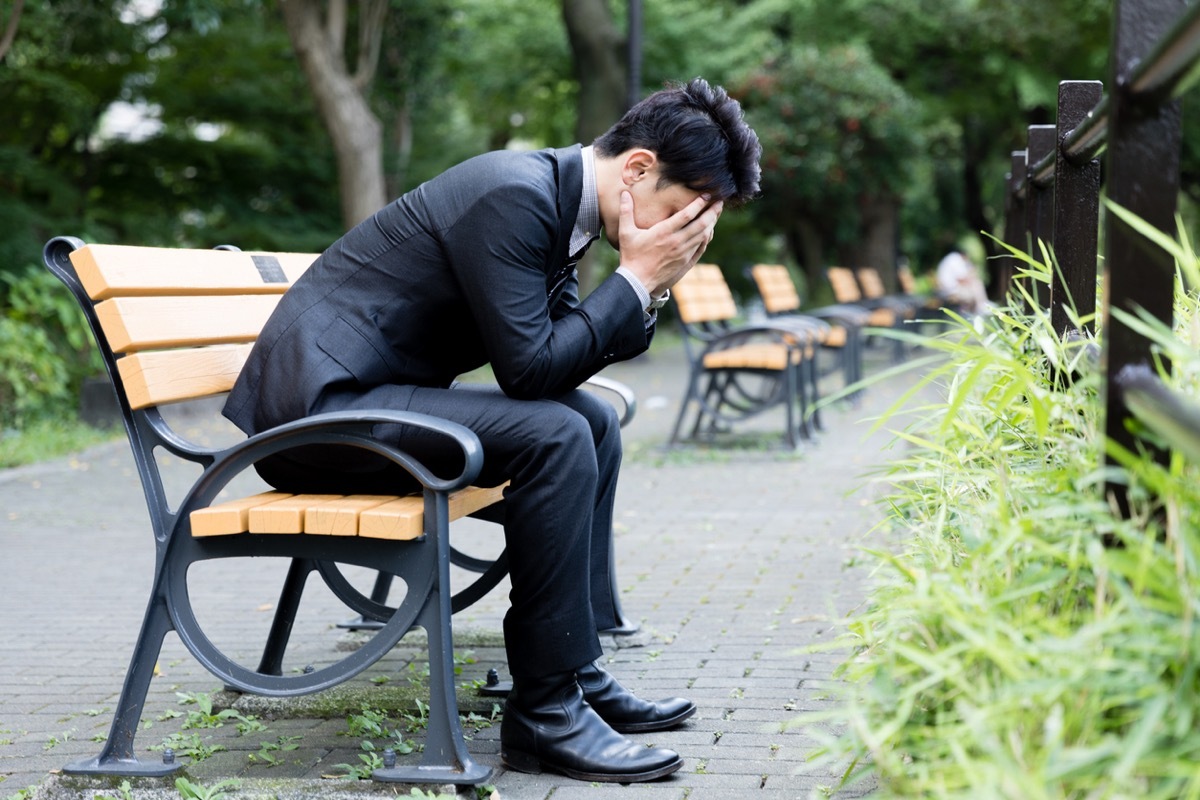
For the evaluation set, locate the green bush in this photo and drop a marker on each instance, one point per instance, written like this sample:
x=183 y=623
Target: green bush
x=46 y=349
x=1022 y=639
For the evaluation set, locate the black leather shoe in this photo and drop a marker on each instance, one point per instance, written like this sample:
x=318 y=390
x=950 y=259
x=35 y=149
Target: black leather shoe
x=562 y=733
x=623 y=710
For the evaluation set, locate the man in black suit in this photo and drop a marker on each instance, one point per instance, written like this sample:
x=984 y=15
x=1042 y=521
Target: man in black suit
x=477 y=266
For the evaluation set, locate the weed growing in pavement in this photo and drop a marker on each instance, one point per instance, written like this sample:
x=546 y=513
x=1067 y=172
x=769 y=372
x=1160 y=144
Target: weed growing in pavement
x=1008 y=649
x=189 y=745
x=378 y=731
x=55 y=741
x=125 y=790
x=204 y=717
x=195 y=791
x=369 y=761
x=270 y=752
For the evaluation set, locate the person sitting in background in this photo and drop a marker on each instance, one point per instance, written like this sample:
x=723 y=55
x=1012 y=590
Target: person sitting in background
x=959 y=284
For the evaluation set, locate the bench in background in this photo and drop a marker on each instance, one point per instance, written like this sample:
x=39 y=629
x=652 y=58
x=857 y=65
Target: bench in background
x=737 y=372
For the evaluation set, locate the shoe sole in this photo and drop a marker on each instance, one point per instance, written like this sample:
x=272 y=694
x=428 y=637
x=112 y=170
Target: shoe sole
x=657 y=725
x=524 y=762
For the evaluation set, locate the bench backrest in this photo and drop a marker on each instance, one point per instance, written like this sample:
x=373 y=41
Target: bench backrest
x=871 y=283
x=845 y=287
x=703 y=296
x=776 y=288
x=180 y=323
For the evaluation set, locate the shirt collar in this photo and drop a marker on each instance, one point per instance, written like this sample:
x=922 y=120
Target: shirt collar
x=587 y=224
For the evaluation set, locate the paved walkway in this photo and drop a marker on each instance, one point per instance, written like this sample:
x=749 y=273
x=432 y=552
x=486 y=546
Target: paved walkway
x=731 y=559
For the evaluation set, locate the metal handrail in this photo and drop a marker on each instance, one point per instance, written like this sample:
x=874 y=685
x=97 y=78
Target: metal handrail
x=1170 y=69
x=1172 y=416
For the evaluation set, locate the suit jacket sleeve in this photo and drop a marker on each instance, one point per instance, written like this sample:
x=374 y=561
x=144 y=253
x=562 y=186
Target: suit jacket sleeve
x=499 y=252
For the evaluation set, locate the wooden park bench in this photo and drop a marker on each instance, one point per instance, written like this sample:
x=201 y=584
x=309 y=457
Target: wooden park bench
x=176 y=325
x=737 y=372
x=884 y=312
x=781 y=301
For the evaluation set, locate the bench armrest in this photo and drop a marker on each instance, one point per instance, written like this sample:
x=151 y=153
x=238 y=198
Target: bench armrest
x=790 y=336
x=856 y=316
x=624 y=394
x=355 y=428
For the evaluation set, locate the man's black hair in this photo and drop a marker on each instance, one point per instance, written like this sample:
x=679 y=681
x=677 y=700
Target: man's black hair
x=701 y=140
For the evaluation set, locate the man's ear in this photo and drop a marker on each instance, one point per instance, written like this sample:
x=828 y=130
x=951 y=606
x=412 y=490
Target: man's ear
x=637 y=164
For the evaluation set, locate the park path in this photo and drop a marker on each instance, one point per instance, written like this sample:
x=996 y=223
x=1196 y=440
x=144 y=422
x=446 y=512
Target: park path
x=733 y=560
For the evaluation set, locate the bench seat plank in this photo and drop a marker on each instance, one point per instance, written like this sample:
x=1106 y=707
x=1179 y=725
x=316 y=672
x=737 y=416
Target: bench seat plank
x=373 y=516
x=230 y=517
x=286 y=515
x=765 y=355
x=404 y=517
x=340 y=517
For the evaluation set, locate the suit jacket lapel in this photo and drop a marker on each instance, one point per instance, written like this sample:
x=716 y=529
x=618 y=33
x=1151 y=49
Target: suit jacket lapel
x=570 y=190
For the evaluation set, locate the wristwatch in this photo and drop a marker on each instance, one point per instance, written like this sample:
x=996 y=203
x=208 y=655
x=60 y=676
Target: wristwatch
x=658 y=302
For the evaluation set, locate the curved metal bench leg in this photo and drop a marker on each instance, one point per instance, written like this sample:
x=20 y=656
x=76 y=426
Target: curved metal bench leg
x=379 y=594
x=117 y=756
x=445 y=758
x=285 y=616
x=813 y=388
x=624 y=626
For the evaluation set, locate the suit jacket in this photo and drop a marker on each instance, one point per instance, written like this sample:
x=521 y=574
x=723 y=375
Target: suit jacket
x=468 y=268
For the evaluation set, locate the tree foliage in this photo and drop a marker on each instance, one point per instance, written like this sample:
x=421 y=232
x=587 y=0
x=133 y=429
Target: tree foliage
x=888 y=124
x=838 y=134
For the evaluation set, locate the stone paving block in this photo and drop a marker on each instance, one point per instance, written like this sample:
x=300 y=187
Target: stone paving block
x=662 y=790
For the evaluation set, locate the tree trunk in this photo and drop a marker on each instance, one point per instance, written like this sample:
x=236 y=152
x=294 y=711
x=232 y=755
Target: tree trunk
x=876 y=245
x=10 y=30
x=808 y=248
x=354 y=130
x=598 y=51
x=976 y=144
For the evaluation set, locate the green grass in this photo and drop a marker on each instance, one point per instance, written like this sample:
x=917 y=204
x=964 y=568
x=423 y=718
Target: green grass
x=1021 y=639
x=49 y=439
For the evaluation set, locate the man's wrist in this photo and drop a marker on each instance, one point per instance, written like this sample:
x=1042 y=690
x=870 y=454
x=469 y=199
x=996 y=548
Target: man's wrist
x=640 y=288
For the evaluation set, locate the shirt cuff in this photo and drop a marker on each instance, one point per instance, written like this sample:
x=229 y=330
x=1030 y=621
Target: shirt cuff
x=642 y=293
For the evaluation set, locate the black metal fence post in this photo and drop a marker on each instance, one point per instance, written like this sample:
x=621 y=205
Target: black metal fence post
x=1076 y=212
x=1142 y=175
x=1039 y=200
x=1015 y=235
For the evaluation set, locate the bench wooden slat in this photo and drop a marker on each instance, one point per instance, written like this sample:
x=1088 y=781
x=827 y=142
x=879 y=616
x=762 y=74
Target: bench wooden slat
x=764 y=355
x=775 y=284
x=871 y=282
x=404 y=518
x=340 y=517
x=169 y=376
x=373 y=516
x=109 y=270
x=845 y=286
x=143 y=323
x=230 y=517
x=286 y=515
x=703 y=296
